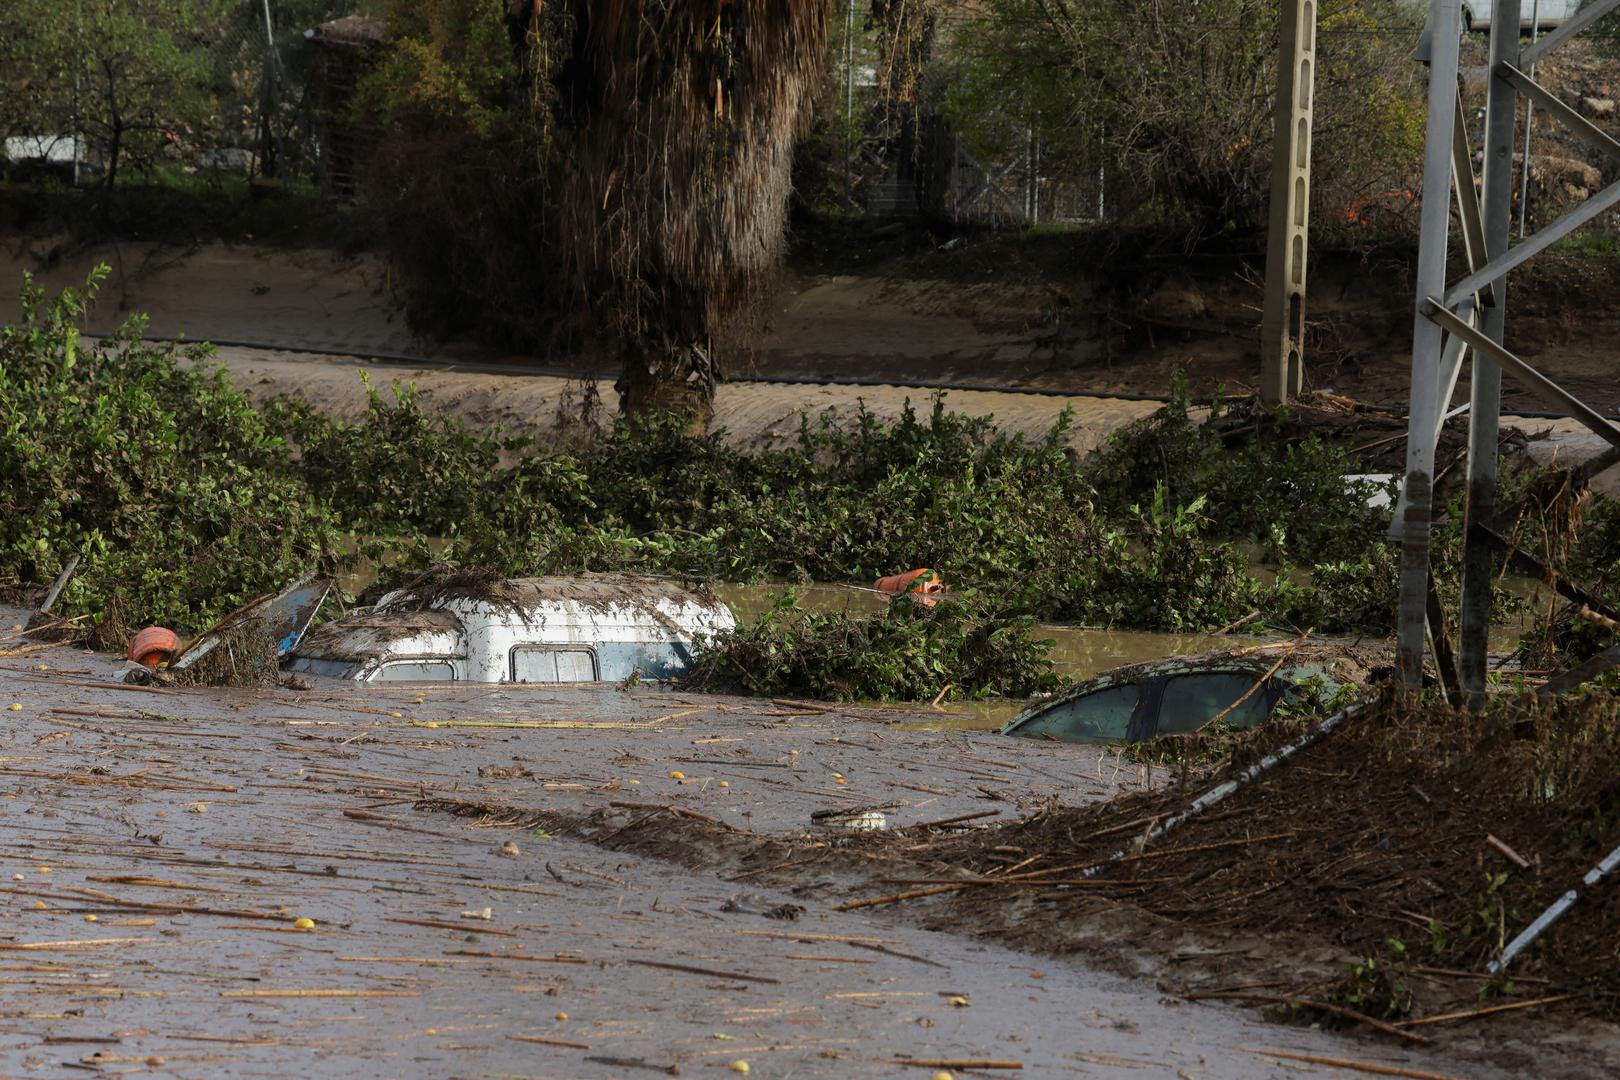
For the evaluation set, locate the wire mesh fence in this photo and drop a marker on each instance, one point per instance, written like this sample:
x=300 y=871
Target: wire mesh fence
x=221 y=88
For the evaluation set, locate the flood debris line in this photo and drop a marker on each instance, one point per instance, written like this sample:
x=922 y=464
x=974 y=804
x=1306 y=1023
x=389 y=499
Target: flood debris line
x=1408 y=843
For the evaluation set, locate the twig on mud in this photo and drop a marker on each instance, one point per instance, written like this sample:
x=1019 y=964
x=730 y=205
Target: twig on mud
x=114 y=686
x=136 y=905
x=799 y=935
x=885 y=950
x=942 y=822
x=1346 y=1063
x=319 y=992
x=676 y=810
x=1469 y=1014
x=547 y=1041
x=956 y=1063
x=1042 y=877
x=443 y=924
x=517 y=956
x=1512 y=856
x=711 y=972
x=1309 y=1003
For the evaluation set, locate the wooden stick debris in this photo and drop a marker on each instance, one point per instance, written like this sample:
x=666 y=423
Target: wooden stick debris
x=956 y=1063
x=1373 y=1067
x=319 y=992
x=116 y=686
x=794 y=935
x=1512 y=856
x=1469 y=1014
x=712 y=972
x=556 y=959
x=1319 y=1006
x=678 y=811
x=544 y=1040
x=444 y=924
x=942 y=822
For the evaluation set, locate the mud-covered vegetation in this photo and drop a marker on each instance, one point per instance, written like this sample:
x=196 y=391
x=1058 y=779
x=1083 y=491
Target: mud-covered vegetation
x=185 y=500
x=1462 y=828
x=959 y=647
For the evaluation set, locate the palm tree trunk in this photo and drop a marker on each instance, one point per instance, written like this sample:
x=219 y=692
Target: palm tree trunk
x=669 y=377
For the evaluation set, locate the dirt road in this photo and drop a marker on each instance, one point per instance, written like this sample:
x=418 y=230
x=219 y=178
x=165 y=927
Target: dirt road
x=161 y=846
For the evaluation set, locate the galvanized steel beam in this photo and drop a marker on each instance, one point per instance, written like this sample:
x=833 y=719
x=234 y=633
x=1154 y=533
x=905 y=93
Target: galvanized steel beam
x=1590 y=12
x=1418 y=483
x=1485 y=379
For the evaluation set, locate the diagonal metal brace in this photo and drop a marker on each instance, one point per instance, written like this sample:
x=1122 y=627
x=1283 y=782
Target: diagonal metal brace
x=1473 y=221
x=1590 y=12
x=1557 y=106
x=1582 y=673
x=1542 y=386
x=1536 y=244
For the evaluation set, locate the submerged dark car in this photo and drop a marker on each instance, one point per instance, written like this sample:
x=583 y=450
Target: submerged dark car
x=1180 y=695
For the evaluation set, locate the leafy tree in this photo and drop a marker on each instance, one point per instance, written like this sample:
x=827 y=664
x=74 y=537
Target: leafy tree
x=130 y=75
x=1178 y=97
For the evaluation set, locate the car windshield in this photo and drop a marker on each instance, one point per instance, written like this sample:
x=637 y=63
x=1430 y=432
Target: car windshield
x=1191 y=701
x=1101 y=716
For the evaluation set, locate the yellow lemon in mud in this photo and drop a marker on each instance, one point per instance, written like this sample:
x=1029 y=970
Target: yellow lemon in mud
x=39 y=905
x=943 y=1075
x=90 y=918
x=304 y=924
x=739 y=1066
x=431 y=723
x=724 y=783
x=562 y=1016
x=44 y=869
x=16 y=706
x=676 y=774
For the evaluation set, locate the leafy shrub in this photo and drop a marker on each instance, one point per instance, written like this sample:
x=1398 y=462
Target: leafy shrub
x=186 y=501
x=908 y=652
x=177 y=492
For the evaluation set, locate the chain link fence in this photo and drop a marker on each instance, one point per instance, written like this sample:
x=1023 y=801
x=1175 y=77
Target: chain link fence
x=209 y=88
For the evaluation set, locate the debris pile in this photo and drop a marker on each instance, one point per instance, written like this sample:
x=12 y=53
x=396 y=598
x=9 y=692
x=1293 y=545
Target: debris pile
x=1403 y=852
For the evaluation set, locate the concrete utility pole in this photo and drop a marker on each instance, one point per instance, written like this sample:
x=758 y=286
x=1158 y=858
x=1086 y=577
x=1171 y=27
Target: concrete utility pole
x=1282 y=330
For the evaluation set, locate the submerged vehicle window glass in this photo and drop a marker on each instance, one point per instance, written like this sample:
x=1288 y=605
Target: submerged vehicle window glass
x=533 y=663
x=1191 y=701
x=334 y=669
x=416 y=671
x=1102 y=716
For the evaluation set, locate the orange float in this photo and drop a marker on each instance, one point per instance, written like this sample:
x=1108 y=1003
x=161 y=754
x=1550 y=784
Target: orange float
x=917 y=584
x=154 y=645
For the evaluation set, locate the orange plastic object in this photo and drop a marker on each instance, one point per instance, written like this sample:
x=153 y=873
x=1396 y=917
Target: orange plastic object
x=912 y=582
x=153 y=646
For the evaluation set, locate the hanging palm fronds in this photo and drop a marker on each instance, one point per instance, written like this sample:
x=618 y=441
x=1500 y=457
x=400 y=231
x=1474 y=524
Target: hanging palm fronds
x=675 y=128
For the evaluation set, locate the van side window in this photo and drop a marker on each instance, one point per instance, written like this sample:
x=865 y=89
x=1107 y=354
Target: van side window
x=543 y=664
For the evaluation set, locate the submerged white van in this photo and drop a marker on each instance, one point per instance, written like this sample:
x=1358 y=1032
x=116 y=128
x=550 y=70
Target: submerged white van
x=583 y=628
x=1545 y=14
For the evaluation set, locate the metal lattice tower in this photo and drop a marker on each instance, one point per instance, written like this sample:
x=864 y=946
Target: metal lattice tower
x=1453 y=322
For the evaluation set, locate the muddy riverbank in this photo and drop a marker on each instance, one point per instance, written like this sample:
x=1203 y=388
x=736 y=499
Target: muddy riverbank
x=480 y=862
